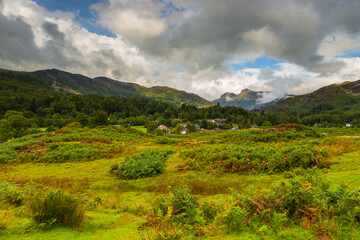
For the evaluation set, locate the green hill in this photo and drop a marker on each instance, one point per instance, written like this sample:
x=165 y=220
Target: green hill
x=53 y=79
x=343 y=97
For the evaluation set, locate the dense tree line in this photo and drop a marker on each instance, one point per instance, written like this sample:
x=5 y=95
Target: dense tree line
x=23 y=107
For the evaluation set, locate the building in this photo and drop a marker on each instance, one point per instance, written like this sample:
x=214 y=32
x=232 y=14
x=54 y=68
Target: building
x=163 y=127
x=185 y=131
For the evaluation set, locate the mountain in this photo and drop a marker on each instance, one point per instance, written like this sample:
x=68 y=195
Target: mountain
x=54 y=79
x=246 y=99
x=343 y=97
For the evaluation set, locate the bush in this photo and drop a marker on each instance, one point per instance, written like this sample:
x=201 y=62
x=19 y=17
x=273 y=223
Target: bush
x=234 y=219
x=180 y=205
x=166 y=140
x=142 y=165
x=12 y=193
x=3 y=223
x=58 y=208
x=74 y=125
x=307 y=200
x=66 y=152
x=259 y=158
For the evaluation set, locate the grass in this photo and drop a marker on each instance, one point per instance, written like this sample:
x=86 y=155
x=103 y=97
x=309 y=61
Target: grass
x=140 y=128
x=115 y=208
x=339 y=131
x=346 y=170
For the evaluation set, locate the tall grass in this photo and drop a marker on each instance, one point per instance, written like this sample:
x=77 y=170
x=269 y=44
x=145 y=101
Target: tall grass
x=56 y=208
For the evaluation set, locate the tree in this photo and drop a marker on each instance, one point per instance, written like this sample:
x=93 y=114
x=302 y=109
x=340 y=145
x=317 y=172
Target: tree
x=177 y=129
x=99 y=118
x=151 y=126
x=82 y=118
x=13 y=126
x=266 y=124
x=191 y=127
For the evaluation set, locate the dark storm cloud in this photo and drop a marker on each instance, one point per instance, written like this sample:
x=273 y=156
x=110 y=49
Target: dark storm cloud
x=17 y=40
x=217 y=31
x=18 y=46
x=53 y=30
x=189 y=44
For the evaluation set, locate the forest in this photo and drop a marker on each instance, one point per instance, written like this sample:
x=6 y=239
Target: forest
x=25 y=108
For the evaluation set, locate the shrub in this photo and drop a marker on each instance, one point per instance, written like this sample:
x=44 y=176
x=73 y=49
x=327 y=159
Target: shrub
x=12 y=193
x=306 y=200
x=180 y=206
x=234 y=219
x=3 y=223
x=56 y=207
x=142 y=165
x=210 y=210
x=74 y=125
x=166 y=140
x=259 y=158
x=61 y=152
x=7 y=157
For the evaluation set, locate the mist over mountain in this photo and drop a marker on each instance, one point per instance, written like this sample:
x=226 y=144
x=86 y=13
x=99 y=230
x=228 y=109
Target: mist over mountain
x=249 y=99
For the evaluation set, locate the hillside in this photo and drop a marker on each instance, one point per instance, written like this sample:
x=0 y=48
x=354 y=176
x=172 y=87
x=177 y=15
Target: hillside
x=246 y=99
x=343 y=97
x=53 y=79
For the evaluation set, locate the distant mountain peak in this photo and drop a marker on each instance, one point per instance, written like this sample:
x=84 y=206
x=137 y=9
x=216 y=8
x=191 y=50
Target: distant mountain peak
x=247 y=99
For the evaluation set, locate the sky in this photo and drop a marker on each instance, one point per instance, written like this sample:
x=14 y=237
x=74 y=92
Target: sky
x=207 y=47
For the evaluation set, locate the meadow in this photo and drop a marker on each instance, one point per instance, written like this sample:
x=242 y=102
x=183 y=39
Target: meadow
x=282 y=182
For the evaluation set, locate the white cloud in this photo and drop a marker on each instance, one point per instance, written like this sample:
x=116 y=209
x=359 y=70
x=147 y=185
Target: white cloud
x=138 y=20
x=188 y=44
x=78 y=51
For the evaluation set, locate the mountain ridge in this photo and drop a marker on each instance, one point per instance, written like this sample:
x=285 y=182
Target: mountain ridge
x=58 y=80
x=246 y=99
x=343 y=96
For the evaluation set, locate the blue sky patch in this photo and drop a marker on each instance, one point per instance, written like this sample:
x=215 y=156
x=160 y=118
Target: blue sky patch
x=354 y=52
x=262 y=63
x=80 y=7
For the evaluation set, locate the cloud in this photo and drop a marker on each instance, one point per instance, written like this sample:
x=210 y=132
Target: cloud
x=34 y=38
x=53 y=30
x=17 y=41
x=188 y=44
x=138 y=20
x=208 y=33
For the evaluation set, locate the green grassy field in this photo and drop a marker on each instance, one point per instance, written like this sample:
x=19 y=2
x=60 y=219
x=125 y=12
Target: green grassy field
x=140 y=128
x=212 y=185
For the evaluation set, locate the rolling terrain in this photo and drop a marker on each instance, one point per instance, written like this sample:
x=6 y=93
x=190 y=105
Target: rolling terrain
x=126 y=184
x=342 y=97
x=54 y=79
